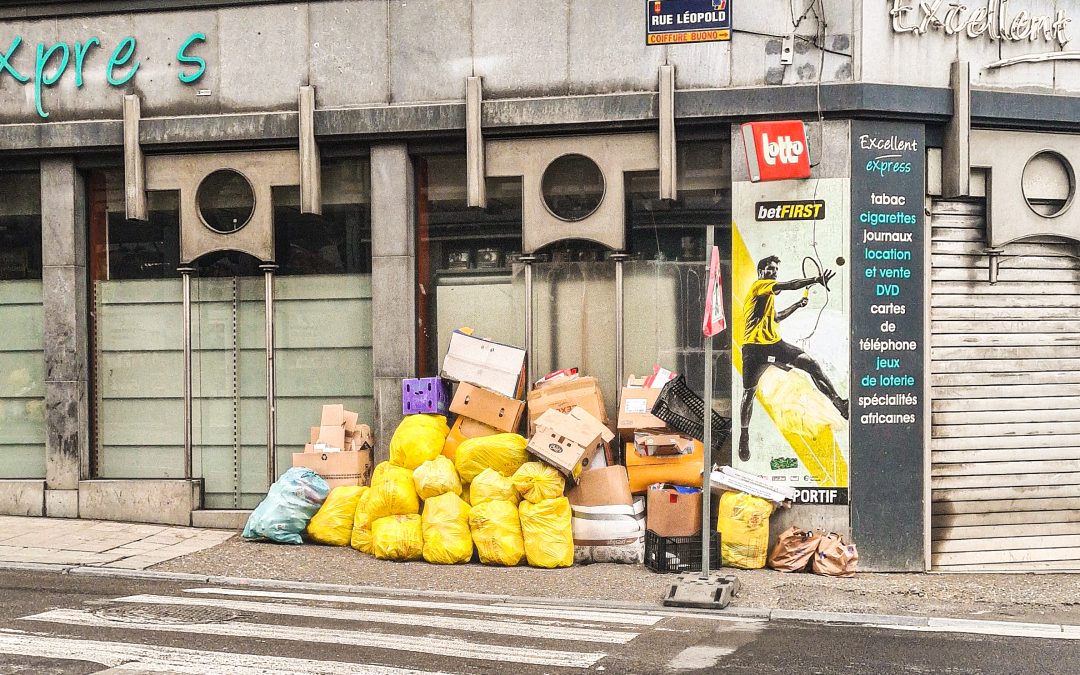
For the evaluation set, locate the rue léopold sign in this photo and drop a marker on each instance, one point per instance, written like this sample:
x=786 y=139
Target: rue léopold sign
x=681 y=21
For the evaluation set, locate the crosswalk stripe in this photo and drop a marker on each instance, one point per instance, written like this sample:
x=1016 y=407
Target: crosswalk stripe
x=122 y=655
x=441 y=646
x=497 y=627
x=564 y=613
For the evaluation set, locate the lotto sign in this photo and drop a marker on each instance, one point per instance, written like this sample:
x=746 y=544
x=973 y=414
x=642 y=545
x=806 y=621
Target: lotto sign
x=776 y=150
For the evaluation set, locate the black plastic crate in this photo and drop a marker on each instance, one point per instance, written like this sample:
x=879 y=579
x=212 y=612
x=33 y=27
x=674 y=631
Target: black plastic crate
x=679 y=554
x=684 y=411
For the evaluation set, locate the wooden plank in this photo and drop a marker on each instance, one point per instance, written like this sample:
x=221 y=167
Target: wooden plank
x=998 y=313
x=1013 y=252
x=1050 y=402
x=968 y=353
x=963 y=521
x=1001 y=468
x=1017 y=326
x=1008 y=391
x=1006 y=340
x=1004 y=417
x=1006 y=274
x=980 y=261
x=989 y=442
x=1013 y=288
x=1001 y=430
x=1003 y=365
x=1060 y=479
x=980 y=455
x=1051 y=566
x=942 y=299
x=975 y=207
x=1008 y=556
x=954 y=231
x=1029 y=543
x=1021 y=530
x=1006 y=493
x=1003 y=505
x=995 y=379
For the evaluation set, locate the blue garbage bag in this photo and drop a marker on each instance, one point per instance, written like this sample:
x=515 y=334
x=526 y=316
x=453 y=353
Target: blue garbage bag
x=289 y=505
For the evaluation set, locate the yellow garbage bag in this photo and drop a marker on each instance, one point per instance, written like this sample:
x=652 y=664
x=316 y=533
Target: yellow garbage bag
x=546 y=530
x=491 y=485
x=466 y=490
x=537 y=481
x=502 y=452
x=398 y=537
x=392 y=492
x=332 y=524
x=417 y=439
x=447 y=540
x=435 y=477
x=743 y=524
x=496 y=532
x=361 y=525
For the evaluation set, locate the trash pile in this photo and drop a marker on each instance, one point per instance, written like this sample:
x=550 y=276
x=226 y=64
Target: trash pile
x=543 y=478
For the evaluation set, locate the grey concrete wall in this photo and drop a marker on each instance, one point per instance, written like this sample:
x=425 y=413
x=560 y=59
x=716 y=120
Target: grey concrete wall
x=368 y=52
x=63 y=221
x=393 y=282
x=168 y=502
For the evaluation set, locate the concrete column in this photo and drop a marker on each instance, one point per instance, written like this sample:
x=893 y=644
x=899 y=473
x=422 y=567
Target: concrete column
x=67 y=428
x=393 y=284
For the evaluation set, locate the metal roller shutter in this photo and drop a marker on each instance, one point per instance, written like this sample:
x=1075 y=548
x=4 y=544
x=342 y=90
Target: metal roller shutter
x=1005 y=382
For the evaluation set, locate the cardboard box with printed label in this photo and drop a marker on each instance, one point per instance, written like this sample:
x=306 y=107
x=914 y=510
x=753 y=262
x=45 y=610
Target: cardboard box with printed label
x=634 y=406
x=605 y=486
x=568 y=441
x=337 y=468
x=670 y=513
x=583 y=392
x=489 y=407
x=494 y=366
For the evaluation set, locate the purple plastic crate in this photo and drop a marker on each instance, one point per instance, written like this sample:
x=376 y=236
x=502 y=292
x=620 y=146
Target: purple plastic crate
x=425 y=395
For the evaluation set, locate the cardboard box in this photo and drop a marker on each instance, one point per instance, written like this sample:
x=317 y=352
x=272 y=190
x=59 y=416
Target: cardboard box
x=333 y=436
x=490 y=408
x=337 y=468
x=313 y=435
x=652 y=444
x=677 y=469
x=583 y=392
x=602 y=487
x=669 y=513
x=362 y=438
x=634 y=406
x=494 y=366
x=568 y=441
x=333 y=416
x=349 y=420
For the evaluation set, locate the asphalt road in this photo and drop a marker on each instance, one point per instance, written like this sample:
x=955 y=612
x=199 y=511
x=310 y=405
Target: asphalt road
x=53 y=623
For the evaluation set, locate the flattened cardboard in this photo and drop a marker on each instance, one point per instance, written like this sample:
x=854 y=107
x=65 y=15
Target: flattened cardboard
x=494 y=366
x=634 y=407
x=337 y=468
x=333 y=436
x=672 y=514
x=583 y=392
x=349 y=419
x=362 y=438
x=333 y=415
x=488 y=407
x=313 y=435
x=602 y=487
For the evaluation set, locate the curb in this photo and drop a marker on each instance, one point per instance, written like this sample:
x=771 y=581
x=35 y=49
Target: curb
x=929 y=623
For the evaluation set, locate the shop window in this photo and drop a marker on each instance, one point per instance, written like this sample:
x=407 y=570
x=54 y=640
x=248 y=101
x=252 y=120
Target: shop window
x=465 y=258
x=22 y=343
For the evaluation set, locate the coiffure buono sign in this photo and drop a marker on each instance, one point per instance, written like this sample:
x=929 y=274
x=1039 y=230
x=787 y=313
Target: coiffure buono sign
x=52 y=61
x=997 y=20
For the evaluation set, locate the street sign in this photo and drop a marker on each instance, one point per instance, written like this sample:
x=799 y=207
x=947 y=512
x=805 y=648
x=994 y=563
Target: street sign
x=681 y=21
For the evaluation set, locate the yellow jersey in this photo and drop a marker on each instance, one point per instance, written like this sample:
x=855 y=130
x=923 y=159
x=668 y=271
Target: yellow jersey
x=759 y=313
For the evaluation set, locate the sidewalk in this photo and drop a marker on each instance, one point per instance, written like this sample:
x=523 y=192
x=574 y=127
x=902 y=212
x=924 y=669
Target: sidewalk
x=1030 y=598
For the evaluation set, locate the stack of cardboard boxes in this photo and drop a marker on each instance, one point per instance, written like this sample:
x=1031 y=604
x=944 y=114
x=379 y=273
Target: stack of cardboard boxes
x=660 y=462
x=339 y=449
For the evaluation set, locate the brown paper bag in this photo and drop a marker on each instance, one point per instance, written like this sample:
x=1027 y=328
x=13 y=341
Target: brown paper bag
x=835 y=557
x=794 y=549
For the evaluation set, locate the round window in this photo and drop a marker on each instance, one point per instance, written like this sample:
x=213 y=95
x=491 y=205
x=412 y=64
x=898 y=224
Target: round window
x=225 y=200
x=1049 y=184
x=572 y=187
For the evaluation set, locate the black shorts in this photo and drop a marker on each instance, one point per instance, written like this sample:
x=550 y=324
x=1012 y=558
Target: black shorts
x=756 y=358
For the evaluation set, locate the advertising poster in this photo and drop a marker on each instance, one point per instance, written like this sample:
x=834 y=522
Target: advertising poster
x=790 y=340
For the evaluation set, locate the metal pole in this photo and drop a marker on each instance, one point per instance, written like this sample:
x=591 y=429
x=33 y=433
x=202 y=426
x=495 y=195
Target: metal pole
x=706 y=482
x=186 y=274
x=619 y=259
x=528 y=260
x=271 y=435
